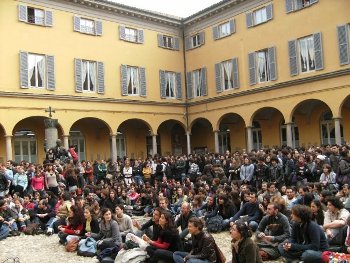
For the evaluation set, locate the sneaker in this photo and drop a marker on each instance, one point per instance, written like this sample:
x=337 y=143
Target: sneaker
x=49 y=232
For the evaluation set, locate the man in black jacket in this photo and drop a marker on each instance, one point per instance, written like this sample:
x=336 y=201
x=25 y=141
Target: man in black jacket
x=182 y=221
x=203 y=244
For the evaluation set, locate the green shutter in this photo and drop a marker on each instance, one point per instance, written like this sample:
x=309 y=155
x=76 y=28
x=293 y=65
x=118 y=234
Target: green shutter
x=343 y=44
x=218 y=76
x=140 y=36
x=98 y=28
x=249 y=19
x=293 y=59
x=143 y=90
x=235 y=73
x=318 y=51
x=204 y=89
x=22 y=13
x=189 y=87
x=50 y=69
x=272 y=63
x=122 y=32
x=178 y=86
x=100 y=78
x=48 y=18
x=76 y=21
x=252 y=68
x=162 y=83
x=78 y=76
x=23 y=58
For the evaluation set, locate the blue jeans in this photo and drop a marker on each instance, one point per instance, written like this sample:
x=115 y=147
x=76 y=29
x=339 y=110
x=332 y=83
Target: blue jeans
x=178 y=257
x=138 y=179
x=4 y=231
x=308 y=256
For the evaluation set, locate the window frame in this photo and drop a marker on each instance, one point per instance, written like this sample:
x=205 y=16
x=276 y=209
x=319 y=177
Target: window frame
x=292 y=5
x=255 y=23
x=266 y=64
x=309 y=39
x=88 y=73
x=128 y=36
x=223 y=85
x=197 y=86
x=36 y=71
x=195 y=39
x=168 y=39
x=83 y=19
x=228 y=29
x=138 y=88
x=173 y=77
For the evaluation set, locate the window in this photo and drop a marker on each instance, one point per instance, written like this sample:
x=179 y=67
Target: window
x=343 y=44
x=133 y=80
x=197 y=83
x=34 y=16
x=305 y=54
x=294 y=5
x=194 y=41
x=259 y=16
x=168 y=42
x=37 y=71
x=224 y=29
x=89 y=75
x=170 y=85
x=25 y=146
x=328 y=129
x=170 y=81
x=295 y=135
x=131 y=34
x=262 y=66
x=87 y=26
x=226 y=75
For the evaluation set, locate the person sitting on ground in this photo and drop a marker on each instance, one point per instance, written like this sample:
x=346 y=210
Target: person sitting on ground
x=182 y=221
x=21 y=215
x=90 y=224
x=7 y=217
x=112 y=201
x=151 y=228
x=317 y=212
x=124 y=221
x=74 y=226
x=250 y=209
x=44 y=214
x=244 y=250
x=167 y=243
x=273 y=229
x=307 y=241
x=109 y=235
x=203 y=245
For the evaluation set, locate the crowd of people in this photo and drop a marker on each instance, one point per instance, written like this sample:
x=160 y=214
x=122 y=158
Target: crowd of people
x=284 y=202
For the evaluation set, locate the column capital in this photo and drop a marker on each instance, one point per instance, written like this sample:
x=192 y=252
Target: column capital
x=65 y=135
x=154 y=134
x=188 y=133
x=112 y=135
x=216 y=131
x=248 y=127
x=50 y=123
x=289 y=123
x=8 y=136
x=337 y=118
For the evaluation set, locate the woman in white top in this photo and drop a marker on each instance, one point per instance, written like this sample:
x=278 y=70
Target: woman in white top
x=328 y=177
x=51 y=180
x=127 y=172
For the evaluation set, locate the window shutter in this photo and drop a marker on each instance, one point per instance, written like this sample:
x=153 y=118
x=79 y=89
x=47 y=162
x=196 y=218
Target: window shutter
x=78 y=77
x=178 y=86
x=124 y=79
x=272 y=63
x=22 y=13
x=188 y=43
x=100 y=78
x=235 y=73
x=122 y=32
x=343 y=44
x=76 y=23
x=249 y=19
x=23 y=58
x=204 y=90
x=269 y=12
x=313 y=1
x=140 y=36
x=293 y=60
x=289 y=6
x=143 y=91
x=162 y=84
x=176 y=43
x=50 y=69
x=160 y=40
x=215 y=32
x=189 y=85
x=318 y=51
x=232 y=26
x=299 y=5
x=218 y=78
x=48 y=18
x=252 y=71
x=201 y=38
x=98 y=28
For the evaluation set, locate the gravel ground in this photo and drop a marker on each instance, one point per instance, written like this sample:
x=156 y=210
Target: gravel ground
x=44 y=249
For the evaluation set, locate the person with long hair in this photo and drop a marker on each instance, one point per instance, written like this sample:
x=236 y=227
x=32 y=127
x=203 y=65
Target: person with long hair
x=51 y=182
x=244 y=250
x=109 y=235
x=226 y=209
x=317 y=212
x=168 y=240
x=112 y=201
x=307 y=240
x=91 y=224
x=74 y=225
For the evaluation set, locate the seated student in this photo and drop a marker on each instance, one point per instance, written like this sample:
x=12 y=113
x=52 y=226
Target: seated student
x=8 y=218
x=203 y=245
x=4 y=228
x=273 y=229
x=90 y=224
x=151 y=228
x=74 y=225
x=250 y=209
x=62 y=209
x=182 y=220
x=124 y=221
x=210 y=208
x=334 y=220
x=226 y=209
x=21 y=215
x=167 y=242
x=44 y=214
x=109 y=235
x=307 y=239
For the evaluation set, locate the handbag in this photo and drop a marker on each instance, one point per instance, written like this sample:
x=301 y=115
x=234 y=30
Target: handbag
x=87 y=247
x=72 y=245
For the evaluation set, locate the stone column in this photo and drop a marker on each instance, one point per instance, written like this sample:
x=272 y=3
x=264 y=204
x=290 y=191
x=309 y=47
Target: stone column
x=249 y=139
x=337 y=131
x=289 y=131
x=114 y=148
x=216 y=141
x=8 y=147
x=51 y=134
x=66 y=141
x=188 y=142
x=154 y=144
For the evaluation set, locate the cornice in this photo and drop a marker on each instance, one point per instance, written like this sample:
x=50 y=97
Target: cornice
x=280 y=85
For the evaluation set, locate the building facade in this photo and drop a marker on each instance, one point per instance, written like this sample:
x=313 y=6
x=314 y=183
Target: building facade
x=123 y=81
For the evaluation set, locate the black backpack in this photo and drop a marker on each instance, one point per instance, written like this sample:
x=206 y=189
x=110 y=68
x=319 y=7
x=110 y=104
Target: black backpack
x=214 y=224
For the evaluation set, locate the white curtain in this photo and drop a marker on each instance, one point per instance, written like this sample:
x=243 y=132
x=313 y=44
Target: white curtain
x=41 y=70
x=128 y=79
x=84 y=66
x=39 y=16
x=227 y=70
x=199 y=85
x=92 y=71
x=31 y=68
x=135 y=80
x=261 y=66
x=303 y=53
x=172 y=84
x=311 y=51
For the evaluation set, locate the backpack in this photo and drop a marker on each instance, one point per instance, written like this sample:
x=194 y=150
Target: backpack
x=111 y=252
x=214 y=224
x=87 y=247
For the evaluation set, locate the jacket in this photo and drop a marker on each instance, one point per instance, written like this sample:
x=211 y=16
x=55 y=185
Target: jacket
x=203 y=247
x=248 y=252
